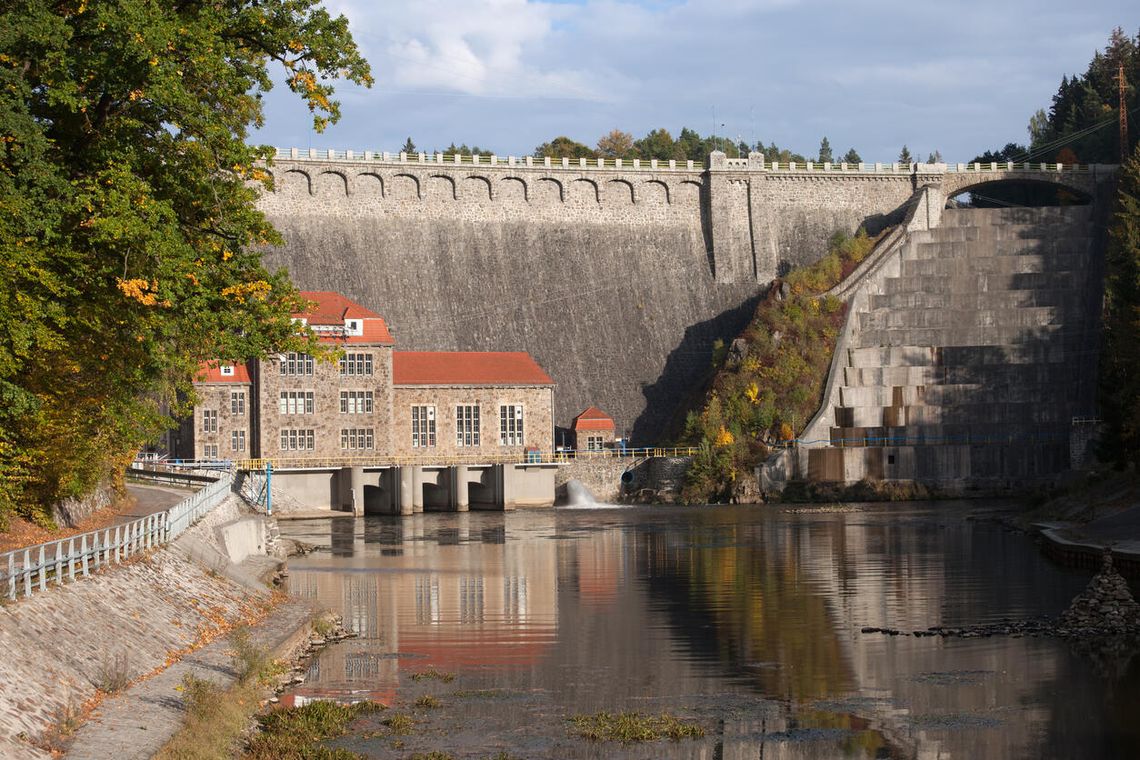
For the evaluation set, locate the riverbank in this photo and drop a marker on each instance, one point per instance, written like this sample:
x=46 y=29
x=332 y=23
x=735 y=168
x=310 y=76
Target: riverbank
x=73 y=653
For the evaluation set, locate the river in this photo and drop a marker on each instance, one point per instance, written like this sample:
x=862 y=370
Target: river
x=745 y=619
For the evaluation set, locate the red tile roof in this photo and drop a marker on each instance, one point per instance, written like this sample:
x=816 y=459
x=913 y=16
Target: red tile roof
x=593 y=419
x=332 y=309
x=211 y=372
x=466 y=368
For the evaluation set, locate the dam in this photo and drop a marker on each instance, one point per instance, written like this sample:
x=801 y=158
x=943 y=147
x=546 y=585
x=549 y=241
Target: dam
x=616 y=276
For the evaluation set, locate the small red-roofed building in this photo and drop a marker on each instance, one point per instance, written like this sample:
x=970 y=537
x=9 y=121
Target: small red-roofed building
x=221 y=423
x=471 y=403
x=593 y=430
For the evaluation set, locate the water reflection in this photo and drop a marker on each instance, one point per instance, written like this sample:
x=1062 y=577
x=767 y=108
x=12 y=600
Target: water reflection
x=747 y=618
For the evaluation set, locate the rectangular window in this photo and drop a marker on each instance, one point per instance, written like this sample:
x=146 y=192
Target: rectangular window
x=209 y=420
x=356 y=402
x=356 y=364
x=297 y=440
x=357 y=438
x=210 y=451
x=237 y=440
x=594 y=443
x=295 y=402
x=237 y=402
x=467 y=425
x=296 y=364
x=423 y=427
x=511 y=425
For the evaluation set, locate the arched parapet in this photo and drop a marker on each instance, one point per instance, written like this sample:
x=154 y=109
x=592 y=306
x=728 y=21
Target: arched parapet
x=654 y=192
x=367 y=185
x=476 y=189
x=619 y=192
x=292 y=182
x=440 y=187
x=405 y=186
x=330 y=184
x=583 y=191
x=548 y=191
x=511 y=190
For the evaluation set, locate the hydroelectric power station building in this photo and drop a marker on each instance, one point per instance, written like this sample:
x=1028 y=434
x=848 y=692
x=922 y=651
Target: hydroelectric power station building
x=453 y=420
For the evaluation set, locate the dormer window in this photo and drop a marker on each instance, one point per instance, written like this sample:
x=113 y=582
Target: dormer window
x=353 y=327
x=227 y=370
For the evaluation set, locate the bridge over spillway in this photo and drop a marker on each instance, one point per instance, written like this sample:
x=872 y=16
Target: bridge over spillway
x=617 y=276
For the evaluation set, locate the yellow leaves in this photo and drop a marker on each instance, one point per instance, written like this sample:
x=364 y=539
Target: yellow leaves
x=154 y=61
x=786 y=432
x=295 y=46
x=257 y=290
x=753 y=393
x=139 y=289
x=724 y=437
x=227 y=255
x=304 y=80
x=259 y=175
x=134 y=95
x=193 y=278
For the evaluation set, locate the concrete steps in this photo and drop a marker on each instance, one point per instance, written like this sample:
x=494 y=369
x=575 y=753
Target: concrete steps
x=971 y=361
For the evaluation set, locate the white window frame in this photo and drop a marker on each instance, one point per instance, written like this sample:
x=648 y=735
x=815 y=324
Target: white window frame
x=209 y=420
x=210 y=451
x=296 y=402
x=423 y=426
x=511 y=425
x=296 y=364
x=357 y=439
x=237 y=440
x=356 y=364
x=297 y=439
x=467 y=425
x=237 y=402
x=357 y=402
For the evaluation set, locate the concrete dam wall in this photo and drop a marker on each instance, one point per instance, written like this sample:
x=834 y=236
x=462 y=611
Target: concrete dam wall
x=617 y=279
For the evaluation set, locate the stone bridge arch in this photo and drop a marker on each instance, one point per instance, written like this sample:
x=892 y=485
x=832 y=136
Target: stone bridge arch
x=1082 y=182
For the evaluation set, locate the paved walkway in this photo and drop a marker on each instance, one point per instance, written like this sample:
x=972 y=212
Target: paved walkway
x=136 y=724
x=148 y=499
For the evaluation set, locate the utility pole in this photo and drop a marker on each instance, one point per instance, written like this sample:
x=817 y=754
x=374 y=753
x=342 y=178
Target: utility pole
x=1122 y=107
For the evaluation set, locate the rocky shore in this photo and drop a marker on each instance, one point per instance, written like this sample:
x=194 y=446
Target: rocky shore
x=1106 y=609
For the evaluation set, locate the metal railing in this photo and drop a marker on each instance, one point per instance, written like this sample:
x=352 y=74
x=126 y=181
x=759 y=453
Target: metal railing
x=33 y=568
x=964 y=439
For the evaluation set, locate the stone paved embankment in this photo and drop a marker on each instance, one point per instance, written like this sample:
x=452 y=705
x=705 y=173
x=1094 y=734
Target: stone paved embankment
x=58 y=647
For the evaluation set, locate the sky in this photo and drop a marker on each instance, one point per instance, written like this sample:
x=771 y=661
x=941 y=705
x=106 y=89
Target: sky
x=958 y=77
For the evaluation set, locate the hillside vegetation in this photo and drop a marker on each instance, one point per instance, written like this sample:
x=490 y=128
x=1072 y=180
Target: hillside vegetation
x=768 y=383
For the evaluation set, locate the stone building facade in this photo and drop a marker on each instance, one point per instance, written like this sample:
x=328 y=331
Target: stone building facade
x=371 y=401
x=593 y=430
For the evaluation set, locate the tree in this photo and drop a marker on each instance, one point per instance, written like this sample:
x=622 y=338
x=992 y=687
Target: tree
x=409 y=147
x=616 y=144
x=904 y=156
x=1120 y=361
x=563 y=147
x=657 y=144
x=852 y=157
x=934 y=158
x=129 y=234
x=825 y=156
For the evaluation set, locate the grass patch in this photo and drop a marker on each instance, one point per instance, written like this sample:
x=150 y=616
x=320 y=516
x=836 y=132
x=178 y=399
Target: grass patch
x=297 y=732
x=433 y=755
x=214 y=720
x=432 y=674
x=324 y=627
x=427 y=700
x=628 y=728
x=399 y=723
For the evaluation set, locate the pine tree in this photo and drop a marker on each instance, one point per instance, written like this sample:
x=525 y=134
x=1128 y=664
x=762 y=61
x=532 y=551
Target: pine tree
x=409 y=146
x=825 y=156
x=904 y=156
x=852 y=157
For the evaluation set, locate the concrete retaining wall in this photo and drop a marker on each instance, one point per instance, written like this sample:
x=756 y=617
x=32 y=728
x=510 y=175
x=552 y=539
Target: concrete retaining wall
x=58 y=644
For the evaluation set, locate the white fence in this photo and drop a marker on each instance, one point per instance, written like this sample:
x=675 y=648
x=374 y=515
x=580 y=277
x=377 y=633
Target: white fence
x=31 y=569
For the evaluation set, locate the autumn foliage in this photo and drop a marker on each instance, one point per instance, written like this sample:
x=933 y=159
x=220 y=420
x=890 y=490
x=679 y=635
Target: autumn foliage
x=769 y=381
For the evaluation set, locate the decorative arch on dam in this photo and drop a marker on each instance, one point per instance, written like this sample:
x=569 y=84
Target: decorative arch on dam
x=368 y=185
x=330 y=184
x=512 y=189
x=1082 y=181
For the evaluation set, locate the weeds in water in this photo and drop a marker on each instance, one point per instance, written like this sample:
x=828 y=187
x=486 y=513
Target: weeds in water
x=427 y=700
x=214 y=719
x=433 y=755
x=433 y=674
x=298 y=732
x=114 y=674
x=628 y=728
x=479 y=693
x=399 y=723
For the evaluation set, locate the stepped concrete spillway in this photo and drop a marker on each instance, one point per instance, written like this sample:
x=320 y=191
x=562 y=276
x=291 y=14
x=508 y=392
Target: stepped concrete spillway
x=967 y=359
